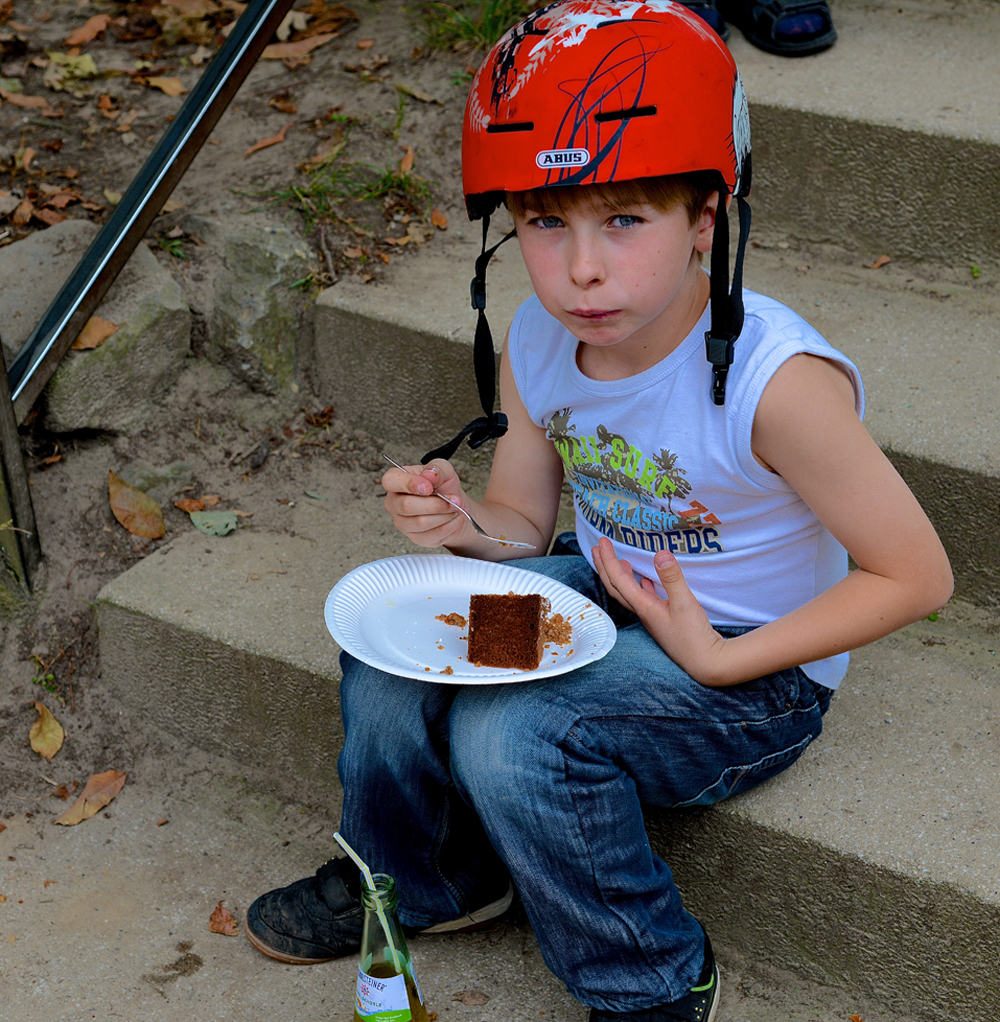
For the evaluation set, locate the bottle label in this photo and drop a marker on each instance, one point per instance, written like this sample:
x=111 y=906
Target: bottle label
x=382 y=999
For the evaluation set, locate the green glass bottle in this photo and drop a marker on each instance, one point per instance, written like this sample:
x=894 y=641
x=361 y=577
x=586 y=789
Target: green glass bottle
x=387 y=990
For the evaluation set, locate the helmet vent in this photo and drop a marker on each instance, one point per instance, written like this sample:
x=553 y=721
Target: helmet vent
x=625 y=115
x=498 y=129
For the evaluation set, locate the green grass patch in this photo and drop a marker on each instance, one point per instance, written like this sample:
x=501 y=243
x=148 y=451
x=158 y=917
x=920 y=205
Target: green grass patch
x=333 y=181
x=472 y=25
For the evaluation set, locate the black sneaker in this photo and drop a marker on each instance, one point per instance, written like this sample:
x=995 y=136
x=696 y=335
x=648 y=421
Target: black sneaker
x=320 y=918
x=313 y=920
x=697 y=1006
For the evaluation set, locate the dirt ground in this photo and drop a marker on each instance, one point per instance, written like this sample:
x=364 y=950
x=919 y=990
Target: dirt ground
x=216 y=436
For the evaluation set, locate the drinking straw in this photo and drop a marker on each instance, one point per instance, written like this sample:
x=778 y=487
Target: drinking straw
x=378 y=904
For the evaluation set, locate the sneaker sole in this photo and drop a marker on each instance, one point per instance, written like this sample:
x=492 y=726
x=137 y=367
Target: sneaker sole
x=477 y=920
x=278 y=956
x=718 y=996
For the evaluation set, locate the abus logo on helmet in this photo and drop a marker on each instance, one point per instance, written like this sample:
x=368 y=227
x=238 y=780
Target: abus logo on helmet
x=555 y=159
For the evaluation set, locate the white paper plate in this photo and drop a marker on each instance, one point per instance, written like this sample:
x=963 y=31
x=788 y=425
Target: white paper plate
x=384 y=613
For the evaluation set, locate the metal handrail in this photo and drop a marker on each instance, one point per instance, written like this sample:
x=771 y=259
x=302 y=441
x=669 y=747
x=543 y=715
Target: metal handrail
x=140 y=205
x=79 y=297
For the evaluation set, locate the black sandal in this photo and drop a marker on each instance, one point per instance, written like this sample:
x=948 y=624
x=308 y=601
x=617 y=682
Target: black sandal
x=708 y=12
x=789 y=28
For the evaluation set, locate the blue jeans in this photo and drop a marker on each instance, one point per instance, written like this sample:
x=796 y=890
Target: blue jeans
x=449 y=788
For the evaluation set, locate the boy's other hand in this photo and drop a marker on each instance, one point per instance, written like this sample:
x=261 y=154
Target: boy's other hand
x=678 y=623
x=416 y=511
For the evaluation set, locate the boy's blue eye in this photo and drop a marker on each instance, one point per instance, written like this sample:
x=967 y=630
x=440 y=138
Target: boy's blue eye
x=626 y=220
x=549 y=221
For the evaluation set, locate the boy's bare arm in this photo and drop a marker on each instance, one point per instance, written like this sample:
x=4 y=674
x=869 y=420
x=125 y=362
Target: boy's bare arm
x=807 y=431
x=521 y=500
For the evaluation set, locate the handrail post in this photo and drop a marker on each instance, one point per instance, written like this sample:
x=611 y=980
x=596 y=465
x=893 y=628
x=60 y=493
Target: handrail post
x=20 y=552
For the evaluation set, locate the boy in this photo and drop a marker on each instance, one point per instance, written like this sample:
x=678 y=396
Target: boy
x=714 y=502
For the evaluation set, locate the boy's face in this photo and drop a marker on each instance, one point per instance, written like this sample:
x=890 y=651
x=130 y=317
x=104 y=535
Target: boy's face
x=628 y=277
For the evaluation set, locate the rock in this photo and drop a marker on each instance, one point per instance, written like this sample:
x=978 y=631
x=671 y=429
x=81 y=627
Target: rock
x=31 y=273
x=253 y=324
x=159 y=481
x=112 y=387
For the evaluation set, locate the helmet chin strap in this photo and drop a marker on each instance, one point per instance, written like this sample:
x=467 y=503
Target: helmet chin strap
x=490 y=424
x=726 y=305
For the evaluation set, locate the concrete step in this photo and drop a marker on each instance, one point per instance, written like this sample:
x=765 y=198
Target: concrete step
x=889 y=141
x=869 y=866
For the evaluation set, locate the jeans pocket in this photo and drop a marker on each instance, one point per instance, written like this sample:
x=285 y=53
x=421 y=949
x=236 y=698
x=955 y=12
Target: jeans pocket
x=736 y=779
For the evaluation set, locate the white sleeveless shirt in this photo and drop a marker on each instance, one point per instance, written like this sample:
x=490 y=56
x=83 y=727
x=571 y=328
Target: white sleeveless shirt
x=653 y=463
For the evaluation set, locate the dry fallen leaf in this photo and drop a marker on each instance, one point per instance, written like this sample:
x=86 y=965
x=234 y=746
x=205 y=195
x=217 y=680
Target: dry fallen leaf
x=324 y=157
x=46 y=733
x=365 y=44
x=470 y=997
x=283 y=104
x=89 y=31
x=162 y=822
x=3 y=827
x=188 y=505
x=222 y=921
x=856 y=1018
x=406 y=163
x=880 y=262
x=170 y=86
x=94 y=333
x=293 y=21
x=273 y=140
x=26 y=157
x=354 y=253
x=38 y=103
x=61 y=199
x=279 y=51
x=23 y=213
x=327 y=18
x=49 y=216
x=439 y=220
x=135 y=510
x=424 y=97
x=99 y=791
x=112 y=196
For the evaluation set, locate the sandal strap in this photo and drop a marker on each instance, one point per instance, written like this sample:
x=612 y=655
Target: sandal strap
x=762 y=16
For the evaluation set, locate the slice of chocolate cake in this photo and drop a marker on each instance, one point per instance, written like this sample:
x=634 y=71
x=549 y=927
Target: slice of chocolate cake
x=505 y=631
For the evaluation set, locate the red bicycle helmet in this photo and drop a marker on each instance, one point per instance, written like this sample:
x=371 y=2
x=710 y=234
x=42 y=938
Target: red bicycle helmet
x=594 y=91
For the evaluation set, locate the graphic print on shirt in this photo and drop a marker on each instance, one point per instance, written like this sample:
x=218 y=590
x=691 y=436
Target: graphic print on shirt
x=629 y=495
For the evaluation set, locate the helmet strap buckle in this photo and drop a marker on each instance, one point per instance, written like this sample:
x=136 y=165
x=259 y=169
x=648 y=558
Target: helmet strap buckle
x=491 y=424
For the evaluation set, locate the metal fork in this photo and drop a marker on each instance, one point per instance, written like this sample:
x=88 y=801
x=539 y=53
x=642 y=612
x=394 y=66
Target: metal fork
x=458 y=507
